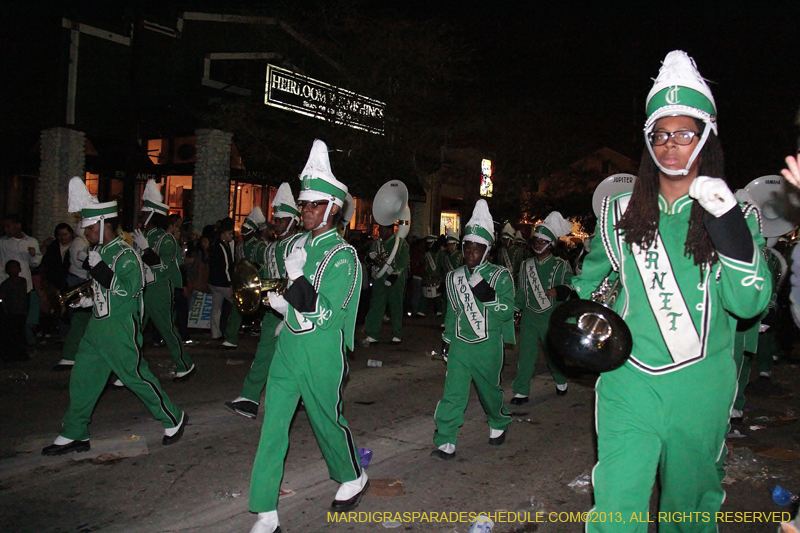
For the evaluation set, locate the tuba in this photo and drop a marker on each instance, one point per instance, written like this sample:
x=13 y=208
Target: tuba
x=390 y=205
x=587 y=335
x=249 y=290
x=71 y=297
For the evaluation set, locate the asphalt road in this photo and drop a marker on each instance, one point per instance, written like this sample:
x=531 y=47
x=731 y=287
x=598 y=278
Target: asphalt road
x=130 y=482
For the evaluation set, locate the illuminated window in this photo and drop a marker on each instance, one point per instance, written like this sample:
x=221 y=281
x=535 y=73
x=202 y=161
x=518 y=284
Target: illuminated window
x=93 y=183
x=486 y=178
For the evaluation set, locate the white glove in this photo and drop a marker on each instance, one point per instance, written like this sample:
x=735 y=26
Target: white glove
x=94 y=258
x=387 y=283
x=373 y=255
x=278 y=303
x=713 y=194
x=140 y=240
x=85 y=301
x=295 y=262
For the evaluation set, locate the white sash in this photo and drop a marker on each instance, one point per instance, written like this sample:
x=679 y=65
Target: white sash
x=667 y=303
x=272 y=260
x=535 y=285
x=431 y=262
x=473 y=311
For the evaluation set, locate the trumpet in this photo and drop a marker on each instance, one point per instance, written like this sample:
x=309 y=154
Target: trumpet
x=71 y=297
x=249 y=290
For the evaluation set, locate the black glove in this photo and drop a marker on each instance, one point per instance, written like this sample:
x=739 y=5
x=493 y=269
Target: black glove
x=564 y=293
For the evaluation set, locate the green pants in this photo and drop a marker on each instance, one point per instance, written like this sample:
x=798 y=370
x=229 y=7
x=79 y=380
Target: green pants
x=312 y=367
x=532 y=334
x=674 y=423
x=159 y=306
x=256 y=378
x=744 y=364
x=112 y=345
x=80 y=318
x=381 y=295
x=767 y=348
x=480 y=363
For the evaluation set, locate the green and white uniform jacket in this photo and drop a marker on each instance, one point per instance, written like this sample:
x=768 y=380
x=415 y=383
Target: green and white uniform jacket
x=252 y=250
x=122 y=297
x=471 y=321
x=326 y=298
x=537 y=277
x=677 y=317
x=273 y=257
x=400 y=262
x=166 y=247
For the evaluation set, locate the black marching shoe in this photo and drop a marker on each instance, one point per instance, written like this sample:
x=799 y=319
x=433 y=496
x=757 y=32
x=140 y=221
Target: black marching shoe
x=166 y=441
x=342 y=506
x=443 y=455
x=61 y=449
x=519 y=401
x=497 y=441
x=243 y=407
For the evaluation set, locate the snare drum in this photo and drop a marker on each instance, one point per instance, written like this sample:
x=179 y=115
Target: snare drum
x=430 y=291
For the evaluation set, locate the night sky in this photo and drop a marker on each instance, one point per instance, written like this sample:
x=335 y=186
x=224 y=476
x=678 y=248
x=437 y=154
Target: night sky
x=594 y=62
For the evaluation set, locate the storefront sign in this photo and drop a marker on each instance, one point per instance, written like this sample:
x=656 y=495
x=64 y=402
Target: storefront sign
x=291 y=91
x=487 y=185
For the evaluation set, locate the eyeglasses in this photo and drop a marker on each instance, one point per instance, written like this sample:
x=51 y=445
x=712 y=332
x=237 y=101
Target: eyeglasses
x=313 y=205
x=682 y=137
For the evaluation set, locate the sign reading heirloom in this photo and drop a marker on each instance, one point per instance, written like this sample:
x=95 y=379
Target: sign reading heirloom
x=294 y=92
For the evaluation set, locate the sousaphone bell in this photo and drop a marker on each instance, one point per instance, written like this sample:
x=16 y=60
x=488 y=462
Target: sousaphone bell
x=389 y=205
x=587 y=336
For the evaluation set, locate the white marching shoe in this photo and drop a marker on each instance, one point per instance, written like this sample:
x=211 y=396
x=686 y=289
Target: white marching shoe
x=267 y=523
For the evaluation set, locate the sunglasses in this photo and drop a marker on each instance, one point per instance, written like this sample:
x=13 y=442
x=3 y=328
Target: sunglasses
x=313 y=205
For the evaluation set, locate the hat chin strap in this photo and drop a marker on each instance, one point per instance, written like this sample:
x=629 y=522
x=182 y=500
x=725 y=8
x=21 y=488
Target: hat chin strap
x=545 y=247
x=290 y=225
x=695 y=153
x=147 y=220
x=102 y=231
x=325 y=218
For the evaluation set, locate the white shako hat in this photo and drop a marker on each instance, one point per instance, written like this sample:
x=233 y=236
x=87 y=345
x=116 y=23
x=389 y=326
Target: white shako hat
x=679 y=90
x=284 y=206
x=508 y=232
x=153 y=200
x=253 y=221
x=317 y=181
x=519 y=238
x=349 y=210
x=553 y=227
x=451 y=236
x=480 y=227
x=81 y=201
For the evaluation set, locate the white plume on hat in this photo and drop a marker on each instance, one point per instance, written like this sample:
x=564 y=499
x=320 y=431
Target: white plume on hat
x=283 y=205
x=317 y=179
x=518 y=237
x=553 y=227
x=480 y=227
x=79 y=196
x=508 y=232
x=253 y=220
x=349 y=210
x=153 y=200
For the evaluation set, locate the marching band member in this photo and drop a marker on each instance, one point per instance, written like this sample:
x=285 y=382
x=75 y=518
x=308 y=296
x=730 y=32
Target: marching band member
x=479 y=321
x=688 y=258
x=310 y=362
x=161 y=254
x=113 y=338
x=537 y=291
x=388 y=288
x=251 y=247
x=285 y=217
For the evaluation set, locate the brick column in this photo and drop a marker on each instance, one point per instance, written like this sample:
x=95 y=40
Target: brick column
x=211 y=185
x=63 y=155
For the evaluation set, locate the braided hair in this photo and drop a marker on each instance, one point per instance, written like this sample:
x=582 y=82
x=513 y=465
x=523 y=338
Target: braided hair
x=640 y=221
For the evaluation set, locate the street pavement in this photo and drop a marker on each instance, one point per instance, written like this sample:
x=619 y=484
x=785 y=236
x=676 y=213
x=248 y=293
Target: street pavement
x=130 y=483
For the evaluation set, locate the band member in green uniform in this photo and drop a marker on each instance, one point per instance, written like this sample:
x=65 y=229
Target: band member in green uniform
x=389 y=287
x=541 y=278
x=161 y=254
x=251 y=247
x=523 y=251
x=310 y=362
x=688 y=257
x=431 y=278
x=450 y=258
x=113 y=338
x=479 y=321
x=506 y=254
x=285 y=217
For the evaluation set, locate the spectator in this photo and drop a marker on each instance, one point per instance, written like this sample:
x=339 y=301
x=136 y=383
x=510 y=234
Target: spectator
x=15 y=298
